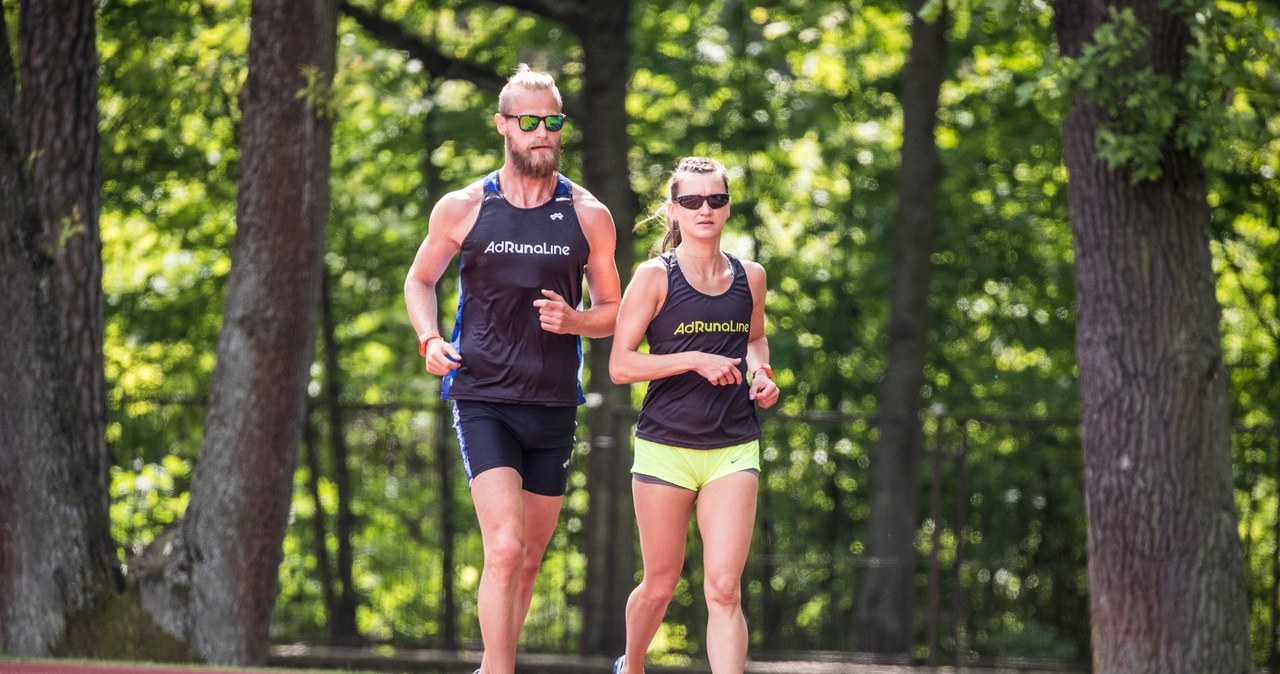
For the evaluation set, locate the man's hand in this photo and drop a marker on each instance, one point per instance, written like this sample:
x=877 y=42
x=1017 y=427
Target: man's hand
x=441 y=357
x=556 y=315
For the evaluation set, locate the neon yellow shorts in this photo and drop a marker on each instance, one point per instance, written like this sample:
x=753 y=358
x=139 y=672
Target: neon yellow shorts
x=692 y=469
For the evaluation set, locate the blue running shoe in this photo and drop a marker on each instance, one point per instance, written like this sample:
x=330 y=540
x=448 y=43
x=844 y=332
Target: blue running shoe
x=617 y=664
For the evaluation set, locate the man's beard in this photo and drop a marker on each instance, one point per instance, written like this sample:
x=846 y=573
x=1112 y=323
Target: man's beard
x=541 y=165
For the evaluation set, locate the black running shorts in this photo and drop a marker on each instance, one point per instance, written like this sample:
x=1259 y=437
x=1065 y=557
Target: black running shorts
x=535 y=440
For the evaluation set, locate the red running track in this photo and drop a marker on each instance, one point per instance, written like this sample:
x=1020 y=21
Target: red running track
x=89 y=668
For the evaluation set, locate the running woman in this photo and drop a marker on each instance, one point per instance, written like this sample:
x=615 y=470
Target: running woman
x=697 y=443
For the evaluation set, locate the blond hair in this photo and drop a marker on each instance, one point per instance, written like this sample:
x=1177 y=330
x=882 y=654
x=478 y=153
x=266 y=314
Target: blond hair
x=684 y=167
x=527 y=79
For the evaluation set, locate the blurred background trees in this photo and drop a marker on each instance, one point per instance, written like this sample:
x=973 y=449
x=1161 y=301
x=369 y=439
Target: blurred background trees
x=806 y=102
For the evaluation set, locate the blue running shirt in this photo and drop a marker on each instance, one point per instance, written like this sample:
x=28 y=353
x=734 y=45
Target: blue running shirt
x=507 y=258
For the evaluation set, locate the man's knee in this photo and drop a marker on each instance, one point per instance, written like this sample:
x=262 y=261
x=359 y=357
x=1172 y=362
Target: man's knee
x=505 y=552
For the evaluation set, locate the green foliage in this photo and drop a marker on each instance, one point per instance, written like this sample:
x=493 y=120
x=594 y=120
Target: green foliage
x=147 y=498
x=1150 y=113
x=170 y=76
x=318 y=93
x=71 y=226
x=1020 y=559
x=1004 y=300
x=800 y=100
x=1141 y=105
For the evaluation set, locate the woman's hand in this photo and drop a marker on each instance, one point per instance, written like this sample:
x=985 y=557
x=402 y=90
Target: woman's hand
x=763 y=390
x=718 y=370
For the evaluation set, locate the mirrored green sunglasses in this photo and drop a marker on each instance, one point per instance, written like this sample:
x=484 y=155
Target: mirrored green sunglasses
x=530 y=122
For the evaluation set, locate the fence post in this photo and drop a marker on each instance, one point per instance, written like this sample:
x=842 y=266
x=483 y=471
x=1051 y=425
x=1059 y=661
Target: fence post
x=958 y=525
x=938 y=411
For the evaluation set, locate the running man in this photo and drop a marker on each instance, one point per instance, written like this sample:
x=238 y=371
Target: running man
x=527 y=237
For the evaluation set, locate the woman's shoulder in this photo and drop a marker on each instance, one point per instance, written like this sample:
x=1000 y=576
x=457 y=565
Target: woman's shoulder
x=755 y=273
x=651 y=268
x=752 y=268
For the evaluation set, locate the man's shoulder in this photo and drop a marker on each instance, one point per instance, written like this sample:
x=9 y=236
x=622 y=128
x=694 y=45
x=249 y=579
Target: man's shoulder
x=462 y=200
x=584 y=198
x=456 y=211
x=592 y=213
x=471 y=193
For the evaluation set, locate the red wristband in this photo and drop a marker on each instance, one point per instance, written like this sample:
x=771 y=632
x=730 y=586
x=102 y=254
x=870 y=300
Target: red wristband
x=424 y=341
x=768 y=371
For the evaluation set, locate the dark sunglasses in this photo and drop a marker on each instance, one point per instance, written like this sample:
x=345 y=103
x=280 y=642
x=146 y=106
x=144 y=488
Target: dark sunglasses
x=530 y=122
x=694 y=201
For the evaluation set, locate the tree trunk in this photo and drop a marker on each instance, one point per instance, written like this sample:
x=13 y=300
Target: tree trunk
x=220 y=583
x=343 y=630
x=1166 y=577
x=56 y=554
x=61 y=118
x=885 y=613
x=610 y=531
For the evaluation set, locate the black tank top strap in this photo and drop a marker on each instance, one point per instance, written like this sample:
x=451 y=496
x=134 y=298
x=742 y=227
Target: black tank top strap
x=735 y=267
x=669 y=261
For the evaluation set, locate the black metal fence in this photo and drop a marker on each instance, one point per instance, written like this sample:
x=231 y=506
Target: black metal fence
x=1001 y=570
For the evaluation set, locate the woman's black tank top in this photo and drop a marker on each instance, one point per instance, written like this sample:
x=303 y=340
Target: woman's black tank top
x=686 y=410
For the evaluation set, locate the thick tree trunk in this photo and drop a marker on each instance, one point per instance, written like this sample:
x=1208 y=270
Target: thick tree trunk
x=1166 y=576
x=61 y=118
x=885 y=615
x=610 y=530
x=56 y=555
x=220 y=583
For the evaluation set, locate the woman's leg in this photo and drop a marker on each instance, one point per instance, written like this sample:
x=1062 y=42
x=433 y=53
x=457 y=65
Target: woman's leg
x=726 y=519
x=662 y=517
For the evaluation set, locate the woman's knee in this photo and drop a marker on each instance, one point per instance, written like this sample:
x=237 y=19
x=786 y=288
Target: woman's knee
x=723 y=591
x=658 y=591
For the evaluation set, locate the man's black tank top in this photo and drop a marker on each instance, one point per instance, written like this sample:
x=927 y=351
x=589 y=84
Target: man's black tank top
x=507 y=258
x=686 y=410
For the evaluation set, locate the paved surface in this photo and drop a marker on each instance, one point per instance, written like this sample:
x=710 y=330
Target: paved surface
x=464 y=662
x=383 y=659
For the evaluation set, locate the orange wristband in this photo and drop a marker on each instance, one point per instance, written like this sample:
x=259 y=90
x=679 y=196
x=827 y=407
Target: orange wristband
x=424 y=341
x=768 y=371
